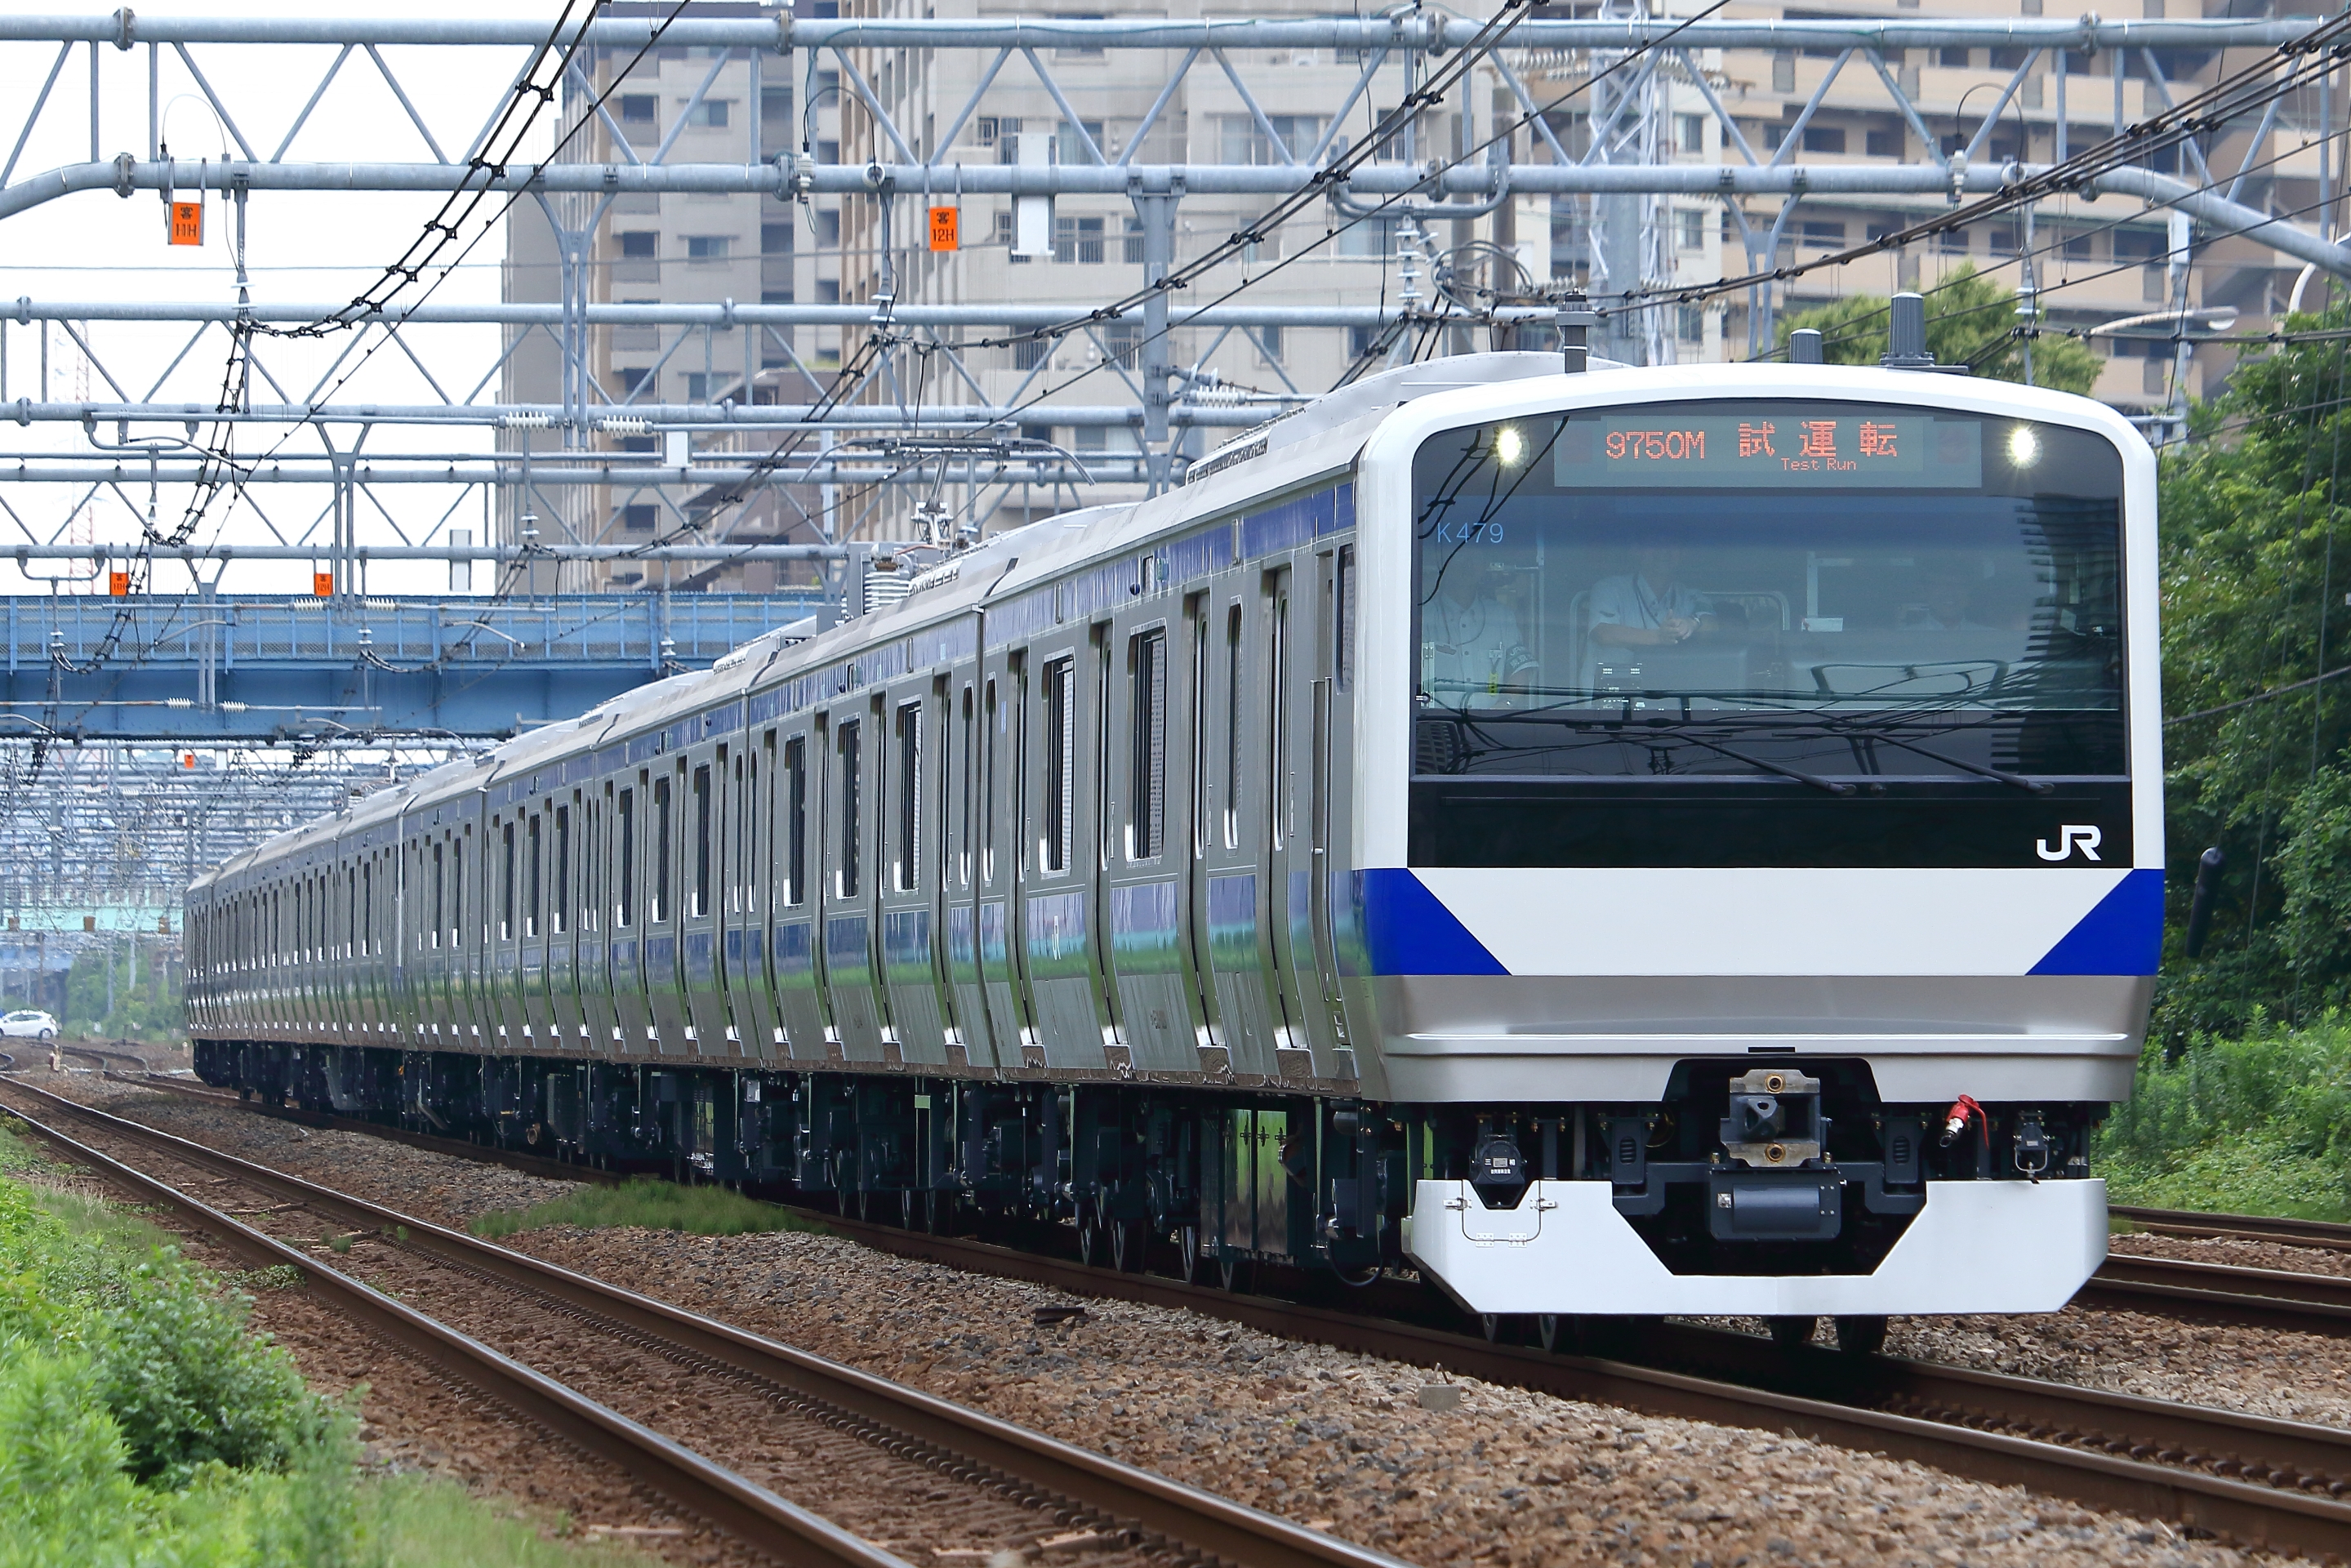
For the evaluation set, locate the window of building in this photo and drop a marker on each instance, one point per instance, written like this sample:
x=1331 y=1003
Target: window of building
x=1827 y=234
x=1952 y=240
x=1072 y=147
x=1689 y=321
x=1078 y=240
x=711 y=114
x=1241 y=141
x=775 y=239
x=1133 y=252
x=1952 y=59
x=1122 y=342
x=1823 y=138
x=708 y=247
x=1689 y=228
x=637 y=517
x=1883 y=144
x=2078 y=246
x=1269 y=342
x=986 y=128
x=1361 y=340
x=1689 y=132
x=1089 y=438
x=1030 y=352
x=638 y=109
x=640 y=244
x=1783 y=71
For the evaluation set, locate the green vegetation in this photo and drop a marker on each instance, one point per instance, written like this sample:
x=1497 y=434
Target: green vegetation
x=1970 y=321
x=2260 y=1124
x=141 y=1426
x=651 y=1203
x=110 y=995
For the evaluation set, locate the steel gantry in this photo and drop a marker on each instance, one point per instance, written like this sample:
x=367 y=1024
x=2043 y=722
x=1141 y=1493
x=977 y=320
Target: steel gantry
x=1608 y=154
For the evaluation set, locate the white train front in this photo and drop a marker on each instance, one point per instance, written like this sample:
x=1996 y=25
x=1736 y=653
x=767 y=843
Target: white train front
x=1642 y=842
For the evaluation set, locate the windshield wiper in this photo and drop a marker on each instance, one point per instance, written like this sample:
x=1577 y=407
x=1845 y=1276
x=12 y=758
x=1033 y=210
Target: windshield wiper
x=1831 y=786
x=1845 y=729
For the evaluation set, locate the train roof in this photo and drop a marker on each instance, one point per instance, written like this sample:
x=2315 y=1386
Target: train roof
x=1289 y=450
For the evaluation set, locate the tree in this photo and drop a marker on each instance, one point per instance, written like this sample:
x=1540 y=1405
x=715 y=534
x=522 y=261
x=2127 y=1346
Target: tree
x=2253 y=514
x=1970 y=321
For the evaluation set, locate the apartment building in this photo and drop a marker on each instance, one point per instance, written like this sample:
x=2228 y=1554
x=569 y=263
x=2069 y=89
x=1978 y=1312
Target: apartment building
x=2093 y=261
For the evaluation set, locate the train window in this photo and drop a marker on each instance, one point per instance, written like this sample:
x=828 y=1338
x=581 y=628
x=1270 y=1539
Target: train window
x=701 y=841
x=439 y=896
x=796 y=817
x=456 y=891
x=763 y=816
x=1196 y=612
x=660 y=849
x=506 y=883
x=367 y=901
x=1344 y=633
x=1233 y=727
x=561 y=913
x=530 y=915
x=1060 y=759
x=749 y=853
x=624 y=912
x=910 y=794
x=851 y=785
x=1149 y=671
x=963 y=850
x=1277 y=722
x=993 y=719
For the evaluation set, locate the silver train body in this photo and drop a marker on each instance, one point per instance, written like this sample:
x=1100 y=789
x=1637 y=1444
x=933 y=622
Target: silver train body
x=1641 y=842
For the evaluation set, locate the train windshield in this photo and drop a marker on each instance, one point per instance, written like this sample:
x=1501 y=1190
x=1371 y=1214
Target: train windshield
x=1801 y=593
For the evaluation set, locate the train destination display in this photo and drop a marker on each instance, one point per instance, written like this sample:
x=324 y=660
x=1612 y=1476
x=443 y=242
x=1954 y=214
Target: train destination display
x=1769 y=444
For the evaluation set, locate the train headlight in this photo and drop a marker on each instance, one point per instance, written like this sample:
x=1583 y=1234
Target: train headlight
x=1510 y=447
x=2023 y=446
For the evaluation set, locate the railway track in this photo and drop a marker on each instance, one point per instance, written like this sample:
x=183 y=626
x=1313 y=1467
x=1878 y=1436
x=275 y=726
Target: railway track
x=103 y=1055
x=2255 y=1479
x=2321 y=1234
x=750 y=1512
x=1085 y=1490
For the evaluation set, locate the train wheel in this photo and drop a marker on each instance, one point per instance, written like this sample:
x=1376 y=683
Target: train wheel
x=1861 y=1336
x=1794 y=1333
x=909 y=1207
x=1188 y=1254
x=1130 y=1243
x=1491 y=1324
x=1090 y=1239
x=1547 y=1330
x=1232 y=1272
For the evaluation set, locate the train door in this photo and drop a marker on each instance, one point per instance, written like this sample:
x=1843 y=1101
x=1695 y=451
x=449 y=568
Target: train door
x=563 y=820
x=538 y=1007
x=665 y=854
x=751 y=988
x=963 y=735
x=1003 y=841
x=909 y=866
x=1148 y=850
x=593 y=959
x=703 y=827
x=631 y=906
x=800 y=998
x=1051 y=904
x=1298 y=747
x=1248 y=1012
x=852 y=978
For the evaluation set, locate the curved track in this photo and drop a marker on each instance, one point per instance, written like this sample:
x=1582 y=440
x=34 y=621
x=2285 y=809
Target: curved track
x=1118 y=1498
x=744 y=1508
x=2255 y=1479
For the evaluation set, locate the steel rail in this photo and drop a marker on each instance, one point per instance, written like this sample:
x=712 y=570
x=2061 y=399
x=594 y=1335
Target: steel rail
x=1933 y=1415
x=734 y=1503
x=2320 y=1233
x=1121 y=1494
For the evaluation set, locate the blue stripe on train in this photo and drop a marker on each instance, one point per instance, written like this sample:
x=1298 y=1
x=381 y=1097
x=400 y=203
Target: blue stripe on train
x=1408 y=930
x=2122 y=934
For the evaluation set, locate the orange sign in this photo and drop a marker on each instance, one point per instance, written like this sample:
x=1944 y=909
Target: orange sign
x=187 y=223
x=322 y=583
x=946 y=228
x=118 y=585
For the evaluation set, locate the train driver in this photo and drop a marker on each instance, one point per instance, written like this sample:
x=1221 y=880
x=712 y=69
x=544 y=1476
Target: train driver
x=1650 y=606
x=1474 y=651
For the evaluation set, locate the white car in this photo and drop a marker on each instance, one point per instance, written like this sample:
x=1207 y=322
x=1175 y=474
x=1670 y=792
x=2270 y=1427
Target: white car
x=26 y=1024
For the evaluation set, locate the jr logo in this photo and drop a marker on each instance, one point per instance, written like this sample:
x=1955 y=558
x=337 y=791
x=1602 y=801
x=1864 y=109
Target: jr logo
x=2071 y=837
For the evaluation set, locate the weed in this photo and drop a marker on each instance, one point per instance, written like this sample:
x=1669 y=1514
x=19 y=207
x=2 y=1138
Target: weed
x=425 y=1523
x=338 y=1244
x=652 y=1203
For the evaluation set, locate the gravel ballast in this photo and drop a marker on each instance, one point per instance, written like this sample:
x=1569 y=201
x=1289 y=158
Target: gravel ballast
x=1335 y=1440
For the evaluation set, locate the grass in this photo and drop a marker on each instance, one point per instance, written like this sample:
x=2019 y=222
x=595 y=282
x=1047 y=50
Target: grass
x=649 y=1203
x=427 y=1524
x=2256 y=1126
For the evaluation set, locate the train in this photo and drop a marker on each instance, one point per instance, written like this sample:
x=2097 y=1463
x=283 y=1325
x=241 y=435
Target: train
x=1605 y=841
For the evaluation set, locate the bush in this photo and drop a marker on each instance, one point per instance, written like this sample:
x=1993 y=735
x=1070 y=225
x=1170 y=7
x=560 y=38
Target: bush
x=651 y=1203
x=2260 y=1124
